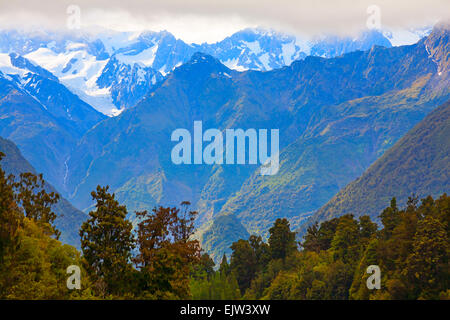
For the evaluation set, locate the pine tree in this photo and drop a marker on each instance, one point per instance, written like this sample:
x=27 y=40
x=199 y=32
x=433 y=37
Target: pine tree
x=345 y=244
x=390 y=218
x=282 y=239
x=262 y=251
x=224 y=267
x=243 y=263
x=107 y=242
x=312 y=240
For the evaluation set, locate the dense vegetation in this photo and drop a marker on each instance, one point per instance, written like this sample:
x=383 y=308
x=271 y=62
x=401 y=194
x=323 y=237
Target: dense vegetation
x=33 y=262
x=411 y=249
x=160 y=260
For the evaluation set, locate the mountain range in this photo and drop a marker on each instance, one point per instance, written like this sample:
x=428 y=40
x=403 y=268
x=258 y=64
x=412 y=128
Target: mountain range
x=112 y=71
x=335 y=116
x=338 y=103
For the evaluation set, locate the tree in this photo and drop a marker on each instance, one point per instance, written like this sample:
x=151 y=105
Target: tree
x=282 y=239
x=243 y=263
x=166 y=251
x=10 y=216
x=319 y=238
x=107 y=242
x=204 y=268
x=35 y=201
x=224 y=267
x=345 y=244
x=427 y=265
x=368 y=228
x=390 y=218
x=312 y=239
x=218 y=287
x=262 y=251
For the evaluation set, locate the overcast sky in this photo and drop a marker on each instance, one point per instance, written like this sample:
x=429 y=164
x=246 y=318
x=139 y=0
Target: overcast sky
x=212 y=20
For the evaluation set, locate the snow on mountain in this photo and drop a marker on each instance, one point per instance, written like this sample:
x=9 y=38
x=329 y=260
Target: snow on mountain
x=258 y=49
x=113 y=70
x=77 y=70
x=48 y=91
x=127 y=83
x=8 y=69
x=401 y=37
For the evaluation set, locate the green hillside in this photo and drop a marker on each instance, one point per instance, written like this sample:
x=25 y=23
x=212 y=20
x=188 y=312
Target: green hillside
x=69 y=218
x=417 y=164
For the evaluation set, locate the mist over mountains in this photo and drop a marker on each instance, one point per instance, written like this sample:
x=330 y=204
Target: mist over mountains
x=339 y=104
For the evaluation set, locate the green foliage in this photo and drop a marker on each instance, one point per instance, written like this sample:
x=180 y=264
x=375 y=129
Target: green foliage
x=281 y=240
x=346 y=241
x=10 y=216
x=33 y=264
x=219 y=286
x=36 y=269
x=107 y=241
x=427 y=266
x=167 y=253
x=243 y=263
x=68 y=219
x=35 y=201
x=224 y=266
x=411 y=250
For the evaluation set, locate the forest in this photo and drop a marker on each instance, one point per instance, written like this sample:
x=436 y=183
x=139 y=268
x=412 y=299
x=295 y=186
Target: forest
x=158 y=258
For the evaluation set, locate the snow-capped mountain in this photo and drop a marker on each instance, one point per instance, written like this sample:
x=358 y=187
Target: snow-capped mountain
x=39 y=113
x=113 y=70
x=127 y=83
x=46 y=89
x=400 y=37
x=258 y=49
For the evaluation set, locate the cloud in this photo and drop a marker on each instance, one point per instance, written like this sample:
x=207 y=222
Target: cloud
x=211 y=20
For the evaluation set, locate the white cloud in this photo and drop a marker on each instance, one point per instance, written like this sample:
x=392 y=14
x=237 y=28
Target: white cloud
x=207 y=20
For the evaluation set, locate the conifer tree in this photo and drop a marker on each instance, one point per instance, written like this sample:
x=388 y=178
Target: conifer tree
x=224 y=267
x=390 y=218
x=345 y=244
x=282 y=239
x=107 y=242
x=243 y=263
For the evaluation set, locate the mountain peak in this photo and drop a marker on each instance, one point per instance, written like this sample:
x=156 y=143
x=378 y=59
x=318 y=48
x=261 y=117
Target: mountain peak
x=201 y=64
x=200 y=57
x=437 y=45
